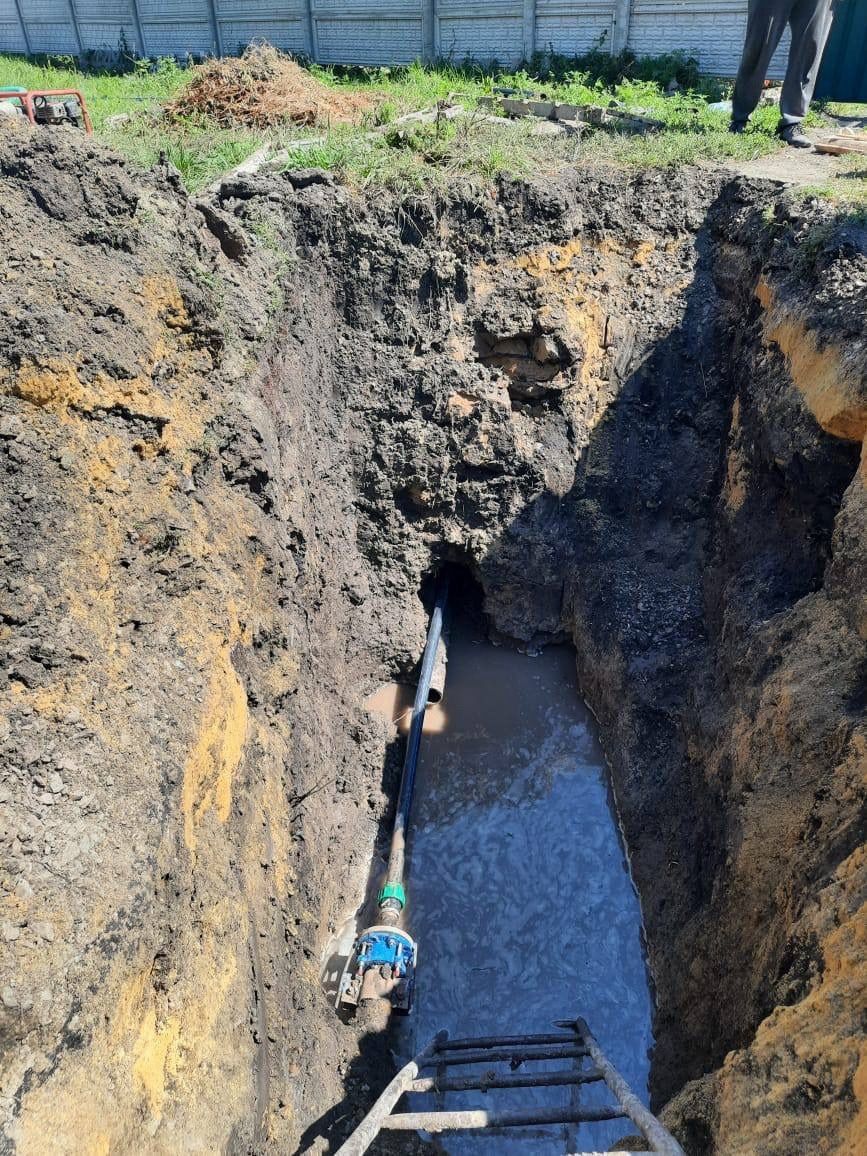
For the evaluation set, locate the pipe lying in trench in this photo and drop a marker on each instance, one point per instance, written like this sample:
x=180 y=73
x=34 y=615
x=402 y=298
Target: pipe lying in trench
x=383 y=959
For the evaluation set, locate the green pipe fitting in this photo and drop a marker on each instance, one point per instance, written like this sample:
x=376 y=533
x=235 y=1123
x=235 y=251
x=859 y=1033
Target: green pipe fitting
x=392 y=891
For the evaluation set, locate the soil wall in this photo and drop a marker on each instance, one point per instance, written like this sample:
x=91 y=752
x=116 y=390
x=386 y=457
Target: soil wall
x=236 y=438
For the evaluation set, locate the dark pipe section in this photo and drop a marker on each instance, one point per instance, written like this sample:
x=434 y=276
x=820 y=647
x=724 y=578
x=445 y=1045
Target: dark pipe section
x=391 y=896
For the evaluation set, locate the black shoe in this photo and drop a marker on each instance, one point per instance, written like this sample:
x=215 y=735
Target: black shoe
x=793 y=136
x=737 y=126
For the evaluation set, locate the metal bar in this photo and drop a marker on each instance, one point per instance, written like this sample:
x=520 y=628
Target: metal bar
x=509 y=1041
x=660 y=1139
x=488 y=1080
x=27 y=48
x=509 y=1055
x=478 y=1118
x=368 y=1129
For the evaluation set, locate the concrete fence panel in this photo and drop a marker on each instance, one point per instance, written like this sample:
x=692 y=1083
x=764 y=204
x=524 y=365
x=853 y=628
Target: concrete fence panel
x=385 y=31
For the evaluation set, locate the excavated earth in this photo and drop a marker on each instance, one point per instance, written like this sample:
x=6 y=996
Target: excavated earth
x=236 y=437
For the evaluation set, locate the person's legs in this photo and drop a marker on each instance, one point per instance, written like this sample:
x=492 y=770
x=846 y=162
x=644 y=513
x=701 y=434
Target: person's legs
x=811 y=22
x=765 y=25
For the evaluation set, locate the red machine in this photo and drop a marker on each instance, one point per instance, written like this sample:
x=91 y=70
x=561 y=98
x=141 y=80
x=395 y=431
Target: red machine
x=49 y=105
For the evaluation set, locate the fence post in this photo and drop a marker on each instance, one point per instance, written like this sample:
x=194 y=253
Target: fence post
x=528 y=46
x=309 y=30
x=215 y=27
x=139 y=29
x=27 y=49
x=428 y=33
x=73 y=16
x=620 y=35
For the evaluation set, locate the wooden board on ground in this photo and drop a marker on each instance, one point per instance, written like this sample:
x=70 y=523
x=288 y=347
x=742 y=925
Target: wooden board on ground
x=840 y=145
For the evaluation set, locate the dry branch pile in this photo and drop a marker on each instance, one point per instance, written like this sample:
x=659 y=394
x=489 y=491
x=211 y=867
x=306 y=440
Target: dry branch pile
x=265 y=88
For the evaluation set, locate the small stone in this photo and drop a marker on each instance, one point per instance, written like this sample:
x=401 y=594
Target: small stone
x=55 y=783
x=9 y=997
x=545 y=349
x=44 y=929
x=23 y=889
x=9 y=931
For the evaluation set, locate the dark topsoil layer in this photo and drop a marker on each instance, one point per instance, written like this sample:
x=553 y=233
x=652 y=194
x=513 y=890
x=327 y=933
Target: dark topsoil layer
x=219 y=508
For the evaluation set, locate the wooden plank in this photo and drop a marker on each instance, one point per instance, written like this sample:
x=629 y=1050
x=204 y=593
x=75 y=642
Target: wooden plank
x=508 y=1041
x=661 y=1140
x=478 y=1119
x=368 y=1129
x=482 y=1082
x=514 y=1056
x=843 y=145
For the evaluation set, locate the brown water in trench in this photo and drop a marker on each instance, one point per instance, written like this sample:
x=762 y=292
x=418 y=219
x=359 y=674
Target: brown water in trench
x=519 y=893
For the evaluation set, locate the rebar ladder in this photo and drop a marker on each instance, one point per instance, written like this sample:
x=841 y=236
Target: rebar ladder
x=577 y=1044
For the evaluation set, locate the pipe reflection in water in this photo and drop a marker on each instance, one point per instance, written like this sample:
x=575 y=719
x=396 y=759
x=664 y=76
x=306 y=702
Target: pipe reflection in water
x=518 y=891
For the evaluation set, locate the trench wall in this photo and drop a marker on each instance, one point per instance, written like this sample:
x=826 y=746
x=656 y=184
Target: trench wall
x=384 y=32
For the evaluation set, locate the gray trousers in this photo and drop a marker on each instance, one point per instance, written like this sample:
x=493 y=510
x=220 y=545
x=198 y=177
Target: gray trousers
x=810 y=21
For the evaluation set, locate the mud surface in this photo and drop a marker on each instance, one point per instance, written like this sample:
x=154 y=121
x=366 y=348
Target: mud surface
x=235 y=439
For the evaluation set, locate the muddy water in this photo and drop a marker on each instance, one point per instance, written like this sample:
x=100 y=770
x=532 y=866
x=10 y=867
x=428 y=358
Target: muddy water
x=519 y=892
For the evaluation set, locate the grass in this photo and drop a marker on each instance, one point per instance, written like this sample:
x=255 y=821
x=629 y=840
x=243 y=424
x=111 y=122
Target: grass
x=381 y=152
x=430 y=156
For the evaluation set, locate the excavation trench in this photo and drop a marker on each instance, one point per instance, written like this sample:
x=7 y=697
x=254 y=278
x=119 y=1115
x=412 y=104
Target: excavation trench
x=519 y=889
x=587 y=410
x=631 y=406
x=520 y=894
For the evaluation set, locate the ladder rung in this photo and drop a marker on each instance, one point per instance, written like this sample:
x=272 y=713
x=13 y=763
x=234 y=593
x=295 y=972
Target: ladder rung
x=479 y=1118
x=507 y=1041
x=482 y=1082
x=516 y=1055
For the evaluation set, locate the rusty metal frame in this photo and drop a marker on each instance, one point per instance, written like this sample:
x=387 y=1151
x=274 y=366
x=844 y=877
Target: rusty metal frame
x=27 y=98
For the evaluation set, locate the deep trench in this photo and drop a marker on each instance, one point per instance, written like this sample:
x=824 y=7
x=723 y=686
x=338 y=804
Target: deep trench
x=551 y=400
x=629 y=404
x=520 y=894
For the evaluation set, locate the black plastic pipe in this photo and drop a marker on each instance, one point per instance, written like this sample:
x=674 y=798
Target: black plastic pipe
x=392 y=898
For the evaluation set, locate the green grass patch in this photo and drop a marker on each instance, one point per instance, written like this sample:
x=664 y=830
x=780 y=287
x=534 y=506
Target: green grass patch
x=432 y=157
x=381 y=151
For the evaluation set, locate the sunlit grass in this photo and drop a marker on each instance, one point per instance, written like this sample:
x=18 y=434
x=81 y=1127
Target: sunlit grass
x=126 y=109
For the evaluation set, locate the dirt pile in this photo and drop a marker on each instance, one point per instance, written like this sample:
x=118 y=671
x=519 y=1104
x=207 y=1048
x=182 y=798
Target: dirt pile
x=218 y=512
x=264 y=88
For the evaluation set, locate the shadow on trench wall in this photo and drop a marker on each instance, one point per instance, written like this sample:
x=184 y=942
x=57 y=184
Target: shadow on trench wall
x=650 y=566
x=639 y=560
